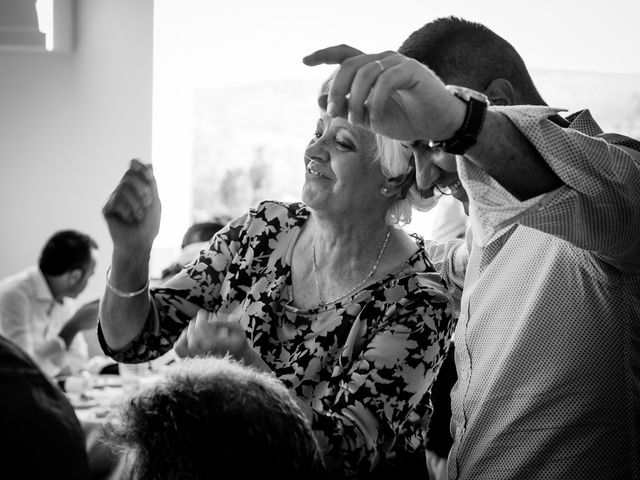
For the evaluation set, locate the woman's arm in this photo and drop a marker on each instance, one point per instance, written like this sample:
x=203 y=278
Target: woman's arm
x=173 y=305
x=132 y=213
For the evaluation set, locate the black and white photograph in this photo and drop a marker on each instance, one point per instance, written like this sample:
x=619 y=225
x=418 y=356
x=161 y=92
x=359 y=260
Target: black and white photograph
x=342 y=240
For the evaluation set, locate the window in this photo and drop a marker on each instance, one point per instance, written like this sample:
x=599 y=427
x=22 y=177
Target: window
x=234 y=106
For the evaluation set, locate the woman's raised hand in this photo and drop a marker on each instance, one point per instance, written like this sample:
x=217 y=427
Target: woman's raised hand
x=132 y=211
x=214 y=334
x=389 y=93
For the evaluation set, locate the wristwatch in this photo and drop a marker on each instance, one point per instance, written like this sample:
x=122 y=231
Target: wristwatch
x=466 y=136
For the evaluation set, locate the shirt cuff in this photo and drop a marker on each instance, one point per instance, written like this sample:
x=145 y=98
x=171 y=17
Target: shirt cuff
x=491 y=206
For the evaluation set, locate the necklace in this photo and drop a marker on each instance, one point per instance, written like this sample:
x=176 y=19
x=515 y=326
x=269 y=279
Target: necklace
x=366 y=278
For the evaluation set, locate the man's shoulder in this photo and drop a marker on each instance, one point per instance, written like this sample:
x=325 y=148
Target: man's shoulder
x=584 y=122
x=20 y=284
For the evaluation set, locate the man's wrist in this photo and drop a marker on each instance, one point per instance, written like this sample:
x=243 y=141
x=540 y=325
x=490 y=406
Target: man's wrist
x=467 y=134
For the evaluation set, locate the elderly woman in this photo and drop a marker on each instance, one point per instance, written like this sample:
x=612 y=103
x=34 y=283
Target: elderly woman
x=329 y=295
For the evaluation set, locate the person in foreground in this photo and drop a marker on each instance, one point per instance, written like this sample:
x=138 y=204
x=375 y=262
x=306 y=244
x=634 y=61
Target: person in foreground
x=343 y=307
x=547 y=342
x=211 y=418
x=40 y=436
x=37 y=308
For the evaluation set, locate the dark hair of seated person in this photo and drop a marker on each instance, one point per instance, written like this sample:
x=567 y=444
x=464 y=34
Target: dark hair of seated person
x=64 y=251
x=212 y=418
x=196 y=234
x=202 y=231
x=40 y=435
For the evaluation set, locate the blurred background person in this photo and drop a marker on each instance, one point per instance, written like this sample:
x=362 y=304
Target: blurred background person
x=37 y=307
x=195 y=239
x=40 y=436
x=215 y=418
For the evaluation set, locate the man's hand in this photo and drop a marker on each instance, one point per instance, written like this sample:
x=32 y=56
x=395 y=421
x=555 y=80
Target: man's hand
x=132 y=212
x=391 y=94
x=86 y=318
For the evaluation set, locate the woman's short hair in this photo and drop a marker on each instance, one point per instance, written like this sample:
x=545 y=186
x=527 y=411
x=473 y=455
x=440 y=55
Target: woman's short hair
x=211 y=417
x=395 y=159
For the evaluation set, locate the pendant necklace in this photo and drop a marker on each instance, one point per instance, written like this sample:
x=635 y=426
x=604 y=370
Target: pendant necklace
x=366 y=278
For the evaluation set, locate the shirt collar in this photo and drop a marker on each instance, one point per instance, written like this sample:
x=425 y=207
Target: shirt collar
x=40 y=285
x=584 y=122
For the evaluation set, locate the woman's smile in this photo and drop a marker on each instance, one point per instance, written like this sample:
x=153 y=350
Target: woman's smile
x=313 y=172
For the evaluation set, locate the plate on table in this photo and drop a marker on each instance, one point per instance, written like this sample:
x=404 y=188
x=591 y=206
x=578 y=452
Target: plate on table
x=107 y=380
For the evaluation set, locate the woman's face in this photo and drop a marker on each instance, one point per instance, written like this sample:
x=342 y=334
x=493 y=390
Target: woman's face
x=342 y=177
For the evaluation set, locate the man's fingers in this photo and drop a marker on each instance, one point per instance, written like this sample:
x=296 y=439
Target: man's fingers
x=343 y=83
x=365 y=79
x=331 y=55
x=393 y=80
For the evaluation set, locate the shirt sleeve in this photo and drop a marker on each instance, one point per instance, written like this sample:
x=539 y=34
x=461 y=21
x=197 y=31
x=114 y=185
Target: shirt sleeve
x=177 y=301
x=77 y=355
x=598 y=207
x=387 y=383
x=49 y=355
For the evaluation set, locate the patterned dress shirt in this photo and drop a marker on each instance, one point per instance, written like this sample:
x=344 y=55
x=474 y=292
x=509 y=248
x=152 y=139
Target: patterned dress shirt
x=548 y=337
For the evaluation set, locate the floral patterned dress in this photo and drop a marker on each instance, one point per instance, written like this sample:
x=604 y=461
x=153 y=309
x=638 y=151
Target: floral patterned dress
x=365 y=364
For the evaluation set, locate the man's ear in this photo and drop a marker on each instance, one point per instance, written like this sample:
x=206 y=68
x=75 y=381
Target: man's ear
x=74 y=276
x=501 y=92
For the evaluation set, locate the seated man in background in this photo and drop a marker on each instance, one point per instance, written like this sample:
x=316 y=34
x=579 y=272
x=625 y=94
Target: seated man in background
x=212 y=417
x=37 y=310
x=40 y=436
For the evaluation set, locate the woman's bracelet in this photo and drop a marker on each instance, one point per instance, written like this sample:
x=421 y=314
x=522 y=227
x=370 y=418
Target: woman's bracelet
x=123 y=294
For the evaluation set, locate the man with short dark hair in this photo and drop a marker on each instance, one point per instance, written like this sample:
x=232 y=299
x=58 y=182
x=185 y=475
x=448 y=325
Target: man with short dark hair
x=547 y=344
x=37 y=310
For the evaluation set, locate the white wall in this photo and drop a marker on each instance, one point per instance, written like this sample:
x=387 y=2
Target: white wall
x=69 y=123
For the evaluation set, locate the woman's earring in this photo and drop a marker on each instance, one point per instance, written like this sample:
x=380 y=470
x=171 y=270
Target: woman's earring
x=384 y=191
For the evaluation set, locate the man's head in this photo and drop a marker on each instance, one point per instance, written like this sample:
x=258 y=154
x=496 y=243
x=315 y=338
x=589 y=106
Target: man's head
x=470 y=55
x=67 y=261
